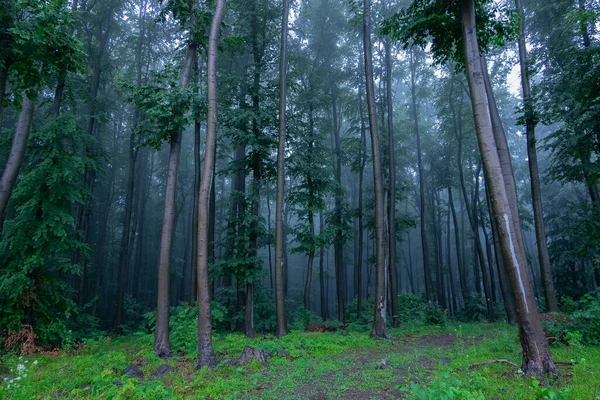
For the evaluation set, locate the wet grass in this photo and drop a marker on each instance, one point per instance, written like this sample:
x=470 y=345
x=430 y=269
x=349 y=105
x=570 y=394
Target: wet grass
x=425 y=363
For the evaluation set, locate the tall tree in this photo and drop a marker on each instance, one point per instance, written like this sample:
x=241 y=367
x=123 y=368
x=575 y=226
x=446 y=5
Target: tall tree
x=379 y=318
x=281 y=329
x=162 y=346
x=536 y=355
x=534 y=174
x=206 y=354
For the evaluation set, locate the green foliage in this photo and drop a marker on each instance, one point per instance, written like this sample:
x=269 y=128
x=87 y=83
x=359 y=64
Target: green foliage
x=36 y=40
x=438 y=22
x=582 y=324
x=542 y=392
x=446 y=386
x=433 y=314
x=365 y=322
x=474 y=310
x=37 y=244
x=411 y=307
x=304 y=318
x=164 y=104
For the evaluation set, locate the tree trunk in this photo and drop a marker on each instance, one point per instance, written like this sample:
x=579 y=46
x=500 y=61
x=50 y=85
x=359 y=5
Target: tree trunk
x=461 y=278
x=363 y=153
x=162 y=346
x=538 y=215
x=536 y=355
x=16 y=156
x=281 y=329
x=379 y=318
x=339 y=239
x=424 y=243
x=392 y=187
x=206 y=354
x=322 y=272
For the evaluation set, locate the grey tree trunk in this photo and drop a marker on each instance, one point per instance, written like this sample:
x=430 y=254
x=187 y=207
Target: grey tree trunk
x=206 y=354
x=16 y=156
x=536 y=355
x=378 y=329
x=162 y=346
x=424 y=242
x=536 y=197
x=281 y=329
x=363 y=153
x=392 y=187
x=322 y=273
x=338 y=242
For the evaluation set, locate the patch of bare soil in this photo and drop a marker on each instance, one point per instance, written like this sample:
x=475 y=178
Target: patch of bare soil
x=367 y=359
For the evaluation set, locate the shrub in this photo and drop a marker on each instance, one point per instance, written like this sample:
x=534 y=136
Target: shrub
x=433 y=314
x=411 y=307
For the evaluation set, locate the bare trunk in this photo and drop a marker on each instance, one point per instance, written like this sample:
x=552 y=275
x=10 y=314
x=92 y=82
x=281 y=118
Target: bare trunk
x=536 y=355
x=338 y=240
x=379 y=318
x=162 y=346
x=206 y=354
x=16 y=156
x=392 y=187
x=424 y=242
x=536 y=197
x=322 y=273
x=281 y=329
x=363 y=153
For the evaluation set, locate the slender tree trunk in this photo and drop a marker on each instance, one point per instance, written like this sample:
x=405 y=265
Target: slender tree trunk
x=363 y=153
x=379 y=318
x=339 y=239
x=415 y=114
x=392 y=186
x=322 y=272
x=536 y=355
x=538 y=215
x=16 y=156
x=461 y=278
x=281 y=329
x=453 y=291
x=162 y=346
x=206 y=354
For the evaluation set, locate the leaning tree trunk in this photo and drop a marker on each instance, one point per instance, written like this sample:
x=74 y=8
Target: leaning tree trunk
x=281 y=329
x=162 y=346
x=424 y=243
x=16 y=156
x=379 y=318
x=206 y=354
x=536 y=197
x=536 y=355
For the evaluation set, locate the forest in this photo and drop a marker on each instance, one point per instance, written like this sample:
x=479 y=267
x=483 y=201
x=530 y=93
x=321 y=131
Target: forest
x=303 y=199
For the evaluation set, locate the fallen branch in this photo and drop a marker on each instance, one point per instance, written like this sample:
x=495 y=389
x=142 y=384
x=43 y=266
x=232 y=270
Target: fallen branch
x=479 y=364
x=565 y=363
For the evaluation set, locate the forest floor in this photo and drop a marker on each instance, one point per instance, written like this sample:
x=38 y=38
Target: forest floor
x=420 y=363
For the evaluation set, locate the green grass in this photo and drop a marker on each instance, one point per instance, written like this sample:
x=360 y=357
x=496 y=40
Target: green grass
x=426 y=363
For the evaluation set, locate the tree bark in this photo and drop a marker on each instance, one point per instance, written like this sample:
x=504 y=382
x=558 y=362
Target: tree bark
x=16 y=156
x=536 y=355
x=206 y=354
x=461 y=278
x=424 y=242
x=363 y=154
x=378 y=329
x=281 y=328
x=162 y=346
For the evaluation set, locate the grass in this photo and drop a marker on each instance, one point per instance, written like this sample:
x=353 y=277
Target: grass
x=426 y=363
